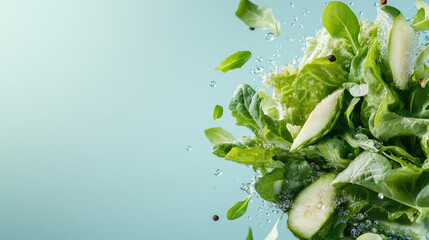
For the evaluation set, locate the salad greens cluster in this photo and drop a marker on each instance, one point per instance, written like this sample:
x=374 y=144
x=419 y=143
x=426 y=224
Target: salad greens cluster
x=342 y=143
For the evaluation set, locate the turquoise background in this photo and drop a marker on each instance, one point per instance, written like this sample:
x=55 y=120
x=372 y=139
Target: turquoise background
x=100 y=99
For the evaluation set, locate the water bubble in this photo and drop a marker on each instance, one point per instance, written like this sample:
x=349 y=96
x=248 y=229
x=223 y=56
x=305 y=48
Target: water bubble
x=269 y=36
x=295 y=18
x=213 y=84
x=380 y=195
x=351 y=4
x=291 y=5
x=368 y=222
x=375 y=222
x=361 y=13
x=320 y=205
x=272 y=62
x=301 y=26
x=245 y=187
x=284 y=22
x=249 y=217
x=259 y=59
x=259 y=225
x=293 y=24
x=218 y=172
x=259 y=69
x=308 y=11
x=189 y=148
x=259 y=209
x=375 y=4
x=268 y=220
x=359 y=216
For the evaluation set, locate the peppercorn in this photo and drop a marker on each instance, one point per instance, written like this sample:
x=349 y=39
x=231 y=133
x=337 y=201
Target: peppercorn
x=251 y=28
x=215 y=217
x=332 y=58
x=383 y=2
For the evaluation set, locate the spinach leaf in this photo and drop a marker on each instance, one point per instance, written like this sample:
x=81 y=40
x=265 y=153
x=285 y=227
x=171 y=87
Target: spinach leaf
x=218 y=135
x=249 y=235
x=367 y=169
x=335 y=151
x=256 y=16
x=217 y=112
x=221 y=149
x=236 y=60
x=238 y=210
x=341 y=22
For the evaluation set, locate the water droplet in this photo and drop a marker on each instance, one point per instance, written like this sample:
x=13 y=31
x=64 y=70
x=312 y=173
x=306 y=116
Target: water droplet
x=218 y=172
x=361 y=13
x=214 y=188
x=213 y=84
x=320 y=205
x=284 y=22
x=359 y=216
x=293 y=24
x=351 y=4
x=308 y=11
x=272 y=62
x=259 y=69
x=245 y=187
x=259 y=225
x=189 y=148
x=301 y=26
x=249 y=217
x=375 y=222
x=259 y=209
x=368 y=222
x=375 y=4
x=291 y=5
x=295 y=18
x=268 y=220
x=269 y=36
x=380 y=195
x=427 y=38
x=259 y=59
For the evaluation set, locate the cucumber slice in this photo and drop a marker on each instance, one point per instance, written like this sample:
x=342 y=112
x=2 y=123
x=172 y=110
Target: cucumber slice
x=402 y=39
x=371 y=236
x=313 y=207
x=321 y=120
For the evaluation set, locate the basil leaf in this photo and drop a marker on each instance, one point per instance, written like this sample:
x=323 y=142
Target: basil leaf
x=217 y=112
x=341 y=22
x=250 y=235
x=236 y=60
x=238 y=210
x=256 y=16
x=218 y=135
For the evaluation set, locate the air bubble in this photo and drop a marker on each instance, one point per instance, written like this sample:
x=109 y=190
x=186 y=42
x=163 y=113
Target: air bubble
x=291 y=5
x=259 y=59
x=301 y=26
x=380 y=195
x=213 y=84
x=259 y=225
x=249 y=218
x=218 y=172
x=189 y=148
x=268 y=220
x=320 y=205
x=295 y=18
x=269 y=36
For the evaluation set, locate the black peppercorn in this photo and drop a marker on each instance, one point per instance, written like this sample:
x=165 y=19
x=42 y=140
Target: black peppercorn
x=215 y=217
x=332 y=58
x=251 y=28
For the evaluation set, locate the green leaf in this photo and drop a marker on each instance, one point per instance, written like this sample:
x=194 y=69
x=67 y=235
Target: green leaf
x=421 y=20
x=335 y=151
x=341 y=22
x=250 y=235
x=419 y=70
x=218 y=135
x=238 y=210
x=368 y=169
x=223 y=148
x=270 y=185
x=256 y=16
x=236 y=60
x=217 y=112
x=256 y=156
x=356 y=90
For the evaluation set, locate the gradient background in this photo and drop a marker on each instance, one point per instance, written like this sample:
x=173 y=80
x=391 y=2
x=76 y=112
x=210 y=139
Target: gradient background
x=99 y=100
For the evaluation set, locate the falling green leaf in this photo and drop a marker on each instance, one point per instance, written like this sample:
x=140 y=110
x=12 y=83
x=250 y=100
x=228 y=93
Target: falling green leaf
x=238 y=210
x=256 y=16
x=218 y=112
x=236 y=60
